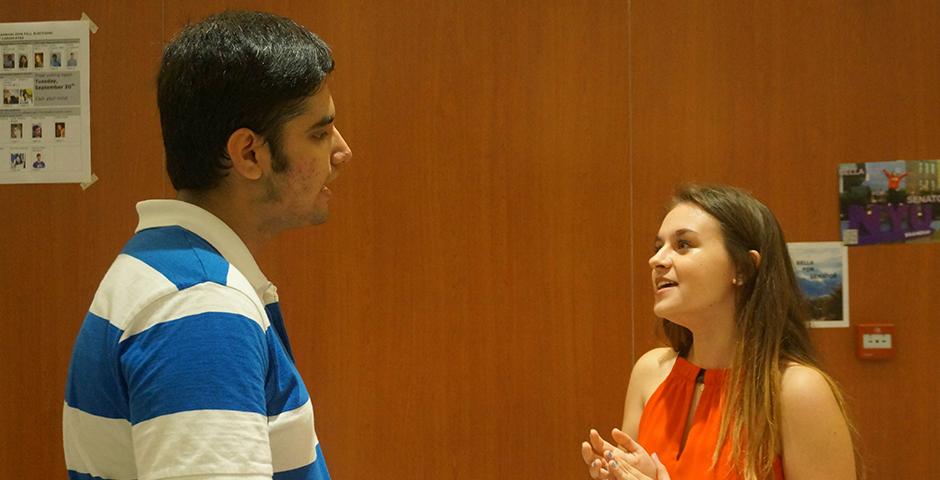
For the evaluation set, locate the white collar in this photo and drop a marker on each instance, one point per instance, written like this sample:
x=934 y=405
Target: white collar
x=164 y=213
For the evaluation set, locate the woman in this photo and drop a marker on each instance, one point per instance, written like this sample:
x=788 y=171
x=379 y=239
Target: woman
x=739 y=393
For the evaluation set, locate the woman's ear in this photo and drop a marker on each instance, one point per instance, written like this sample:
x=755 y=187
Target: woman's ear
x=247 y=152
x=742 y=277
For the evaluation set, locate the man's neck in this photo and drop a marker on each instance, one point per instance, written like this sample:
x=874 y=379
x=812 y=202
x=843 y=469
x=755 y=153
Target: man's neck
x=233 y=212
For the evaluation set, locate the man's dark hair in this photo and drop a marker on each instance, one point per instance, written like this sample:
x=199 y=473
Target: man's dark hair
x=233 y=70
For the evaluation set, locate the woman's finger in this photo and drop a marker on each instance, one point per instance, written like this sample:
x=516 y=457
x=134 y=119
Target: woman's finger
x=587 y=453
x=620 y=471
x=625 y=441
x=599 y=469
x=598 y=443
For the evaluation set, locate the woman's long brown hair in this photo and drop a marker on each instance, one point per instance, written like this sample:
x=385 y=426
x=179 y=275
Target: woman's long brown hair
x=771 y=327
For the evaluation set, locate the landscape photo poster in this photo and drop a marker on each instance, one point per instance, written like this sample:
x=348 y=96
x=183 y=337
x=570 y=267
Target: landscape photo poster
x=822 y=271
x=889 y=202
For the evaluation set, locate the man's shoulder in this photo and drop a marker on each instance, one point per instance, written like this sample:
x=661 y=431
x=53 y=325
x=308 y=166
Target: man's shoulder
x=182 y=257
x=172 y=271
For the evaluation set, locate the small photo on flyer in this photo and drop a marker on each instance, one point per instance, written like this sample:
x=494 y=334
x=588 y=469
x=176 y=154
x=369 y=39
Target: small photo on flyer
x=38 y=160
x=11 y=96
x=17 y=160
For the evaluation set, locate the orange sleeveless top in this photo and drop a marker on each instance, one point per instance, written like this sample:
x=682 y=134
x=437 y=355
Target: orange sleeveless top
x=665 y=416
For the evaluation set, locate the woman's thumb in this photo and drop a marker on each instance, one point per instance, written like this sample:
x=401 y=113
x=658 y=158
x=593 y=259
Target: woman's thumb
x=661 y=473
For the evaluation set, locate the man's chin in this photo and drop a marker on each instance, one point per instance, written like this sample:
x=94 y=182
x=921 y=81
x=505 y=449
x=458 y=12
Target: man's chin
x=320 y=218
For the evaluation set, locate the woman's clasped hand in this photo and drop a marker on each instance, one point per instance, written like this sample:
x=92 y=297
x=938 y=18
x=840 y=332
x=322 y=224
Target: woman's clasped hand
x=624 y=460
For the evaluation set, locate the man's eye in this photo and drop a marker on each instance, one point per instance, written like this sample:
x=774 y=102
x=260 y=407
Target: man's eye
x=323 y=134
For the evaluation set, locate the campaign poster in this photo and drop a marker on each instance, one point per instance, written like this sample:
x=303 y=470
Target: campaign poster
x=822 y=273
x=44 y=115
x=889 y=202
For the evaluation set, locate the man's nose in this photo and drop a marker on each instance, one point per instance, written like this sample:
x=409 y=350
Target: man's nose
x=341 y=151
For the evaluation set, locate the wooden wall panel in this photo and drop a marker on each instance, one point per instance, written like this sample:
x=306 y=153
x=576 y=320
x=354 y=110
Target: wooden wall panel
x=772 y=96
x=59 y=240
x=472 y=307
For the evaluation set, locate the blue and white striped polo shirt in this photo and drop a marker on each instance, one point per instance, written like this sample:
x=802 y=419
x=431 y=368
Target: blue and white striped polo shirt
x=182 y=367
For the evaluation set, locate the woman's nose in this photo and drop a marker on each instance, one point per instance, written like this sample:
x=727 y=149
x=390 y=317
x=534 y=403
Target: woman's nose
x=659 y=259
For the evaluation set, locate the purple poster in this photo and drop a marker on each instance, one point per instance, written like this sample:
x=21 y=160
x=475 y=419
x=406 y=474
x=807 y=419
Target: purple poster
x=890 y=202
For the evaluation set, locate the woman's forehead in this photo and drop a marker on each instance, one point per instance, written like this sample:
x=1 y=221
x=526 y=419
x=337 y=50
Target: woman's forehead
x=689 y=217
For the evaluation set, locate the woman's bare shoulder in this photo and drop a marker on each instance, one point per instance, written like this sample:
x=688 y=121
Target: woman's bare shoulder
x=657 y=358
x=649 y=371
x=815 y=436
x=803 y=385
x=652 y=368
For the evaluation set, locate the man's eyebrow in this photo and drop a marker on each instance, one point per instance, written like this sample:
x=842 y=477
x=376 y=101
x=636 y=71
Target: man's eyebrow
x=323 y=122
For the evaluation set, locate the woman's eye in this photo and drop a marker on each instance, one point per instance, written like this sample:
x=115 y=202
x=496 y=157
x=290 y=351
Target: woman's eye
x=682 y=244
x=656 y=249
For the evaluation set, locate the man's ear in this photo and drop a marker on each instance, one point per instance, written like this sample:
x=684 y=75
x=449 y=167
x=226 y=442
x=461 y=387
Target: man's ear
x=248 y=153
x=755 y=257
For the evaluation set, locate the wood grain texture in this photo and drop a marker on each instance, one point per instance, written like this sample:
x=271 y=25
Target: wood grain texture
x=472 y=306
x=474 y=265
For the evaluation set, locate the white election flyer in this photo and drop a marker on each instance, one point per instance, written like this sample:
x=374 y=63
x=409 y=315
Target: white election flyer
x=44 y=118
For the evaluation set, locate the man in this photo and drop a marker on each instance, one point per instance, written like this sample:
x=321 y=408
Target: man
x=38 y=163
x=182 y=368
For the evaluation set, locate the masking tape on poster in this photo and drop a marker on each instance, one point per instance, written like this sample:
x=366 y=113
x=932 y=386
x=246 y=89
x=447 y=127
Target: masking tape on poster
x=91 y=24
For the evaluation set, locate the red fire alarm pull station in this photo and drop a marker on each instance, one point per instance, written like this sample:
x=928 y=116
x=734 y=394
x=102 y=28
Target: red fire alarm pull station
x=874 y=341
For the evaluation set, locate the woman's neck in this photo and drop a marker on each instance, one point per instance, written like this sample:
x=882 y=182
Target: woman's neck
x=713 y=345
